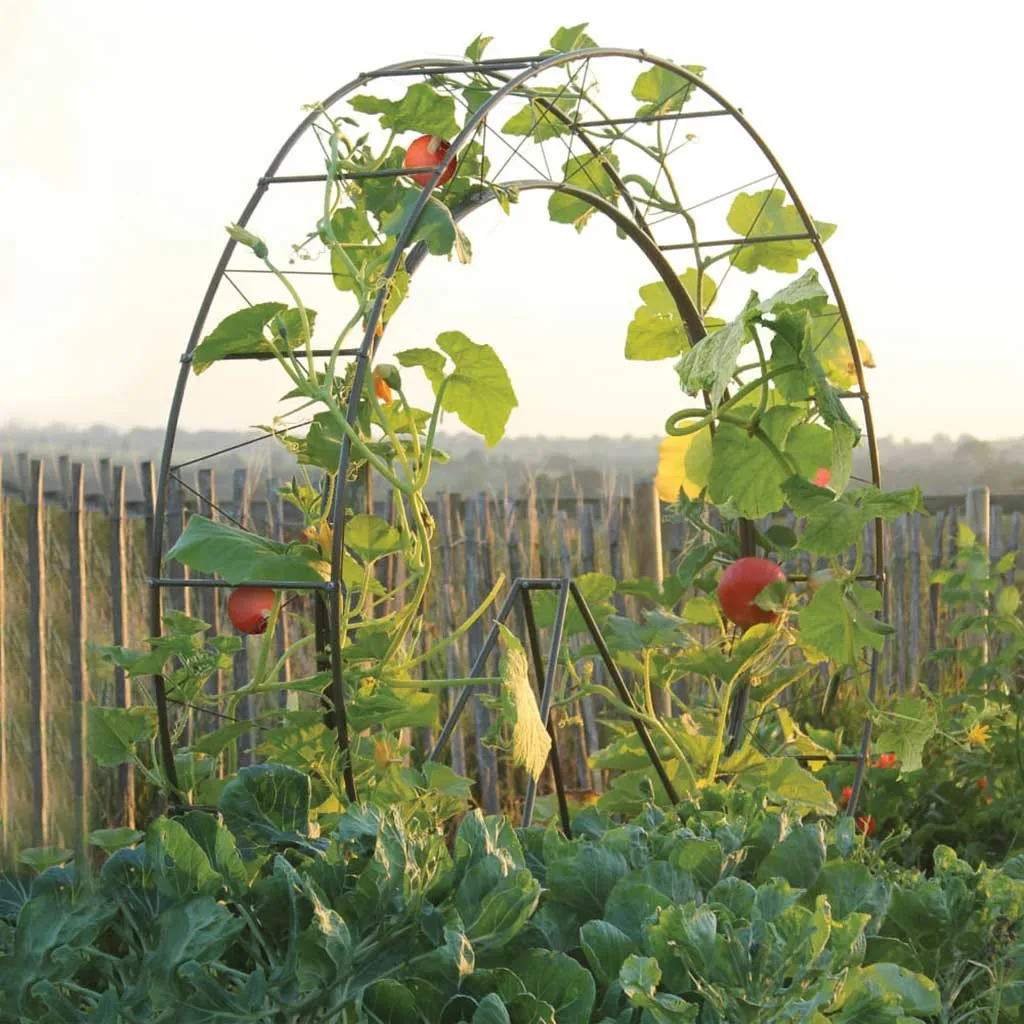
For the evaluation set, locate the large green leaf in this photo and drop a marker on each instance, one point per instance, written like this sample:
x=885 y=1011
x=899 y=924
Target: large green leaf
x=744 y=474
x=834 y=523
x=111 y=839
x=238 y=556
x=422 y=110
x=605 y=948
x=701 y=858
x=503 y=912
x=663 y=91
x=491 y=1010
x=219 y=846
x=798 y=859
x=177 y=863
x=906 y=726
x=475 y=50
x=596 y=589
x=429 y=359
x=632 y=905
x=710 y=365
x=371 y=537
x=115 y=732
x=266 y=806
x=567 y=39
x=376 y=706
x=42 y=857
x=918 y=994
x=828 y=340
x=198 y=930
x=656 y=330
x=839 y=622
x=805 y=292
x=435 y=226
x=584 y=880
x=767 y=213
x=852 y=889
x=478 y=391
x=639 y=980
x=783 y=781
x=350 y=227
x=810 y=446
x=559 y=980
x=388 y=1001
x=537 y=120
x=244 y=332
x=589 y=172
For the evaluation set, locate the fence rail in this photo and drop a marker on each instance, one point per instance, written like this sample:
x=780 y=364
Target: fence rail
x=73 y=580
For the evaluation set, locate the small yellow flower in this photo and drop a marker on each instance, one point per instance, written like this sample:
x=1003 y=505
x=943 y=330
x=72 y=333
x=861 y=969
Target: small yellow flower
x=978 y=735
x=320 y=533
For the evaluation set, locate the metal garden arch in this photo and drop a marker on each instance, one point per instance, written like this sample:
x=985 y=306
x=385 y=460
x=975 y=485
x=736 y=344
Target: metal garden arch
x=511 y=76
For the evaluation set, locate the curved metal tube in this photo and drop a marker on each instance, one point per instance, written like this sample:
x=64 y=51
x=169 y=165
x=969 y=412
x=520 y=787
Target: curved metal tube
x=638 y=231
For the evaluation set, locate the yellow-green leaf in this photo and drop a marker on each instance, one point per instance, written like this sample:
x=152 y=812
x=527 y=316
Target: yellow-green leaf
x=767 y=213
x=683 y=465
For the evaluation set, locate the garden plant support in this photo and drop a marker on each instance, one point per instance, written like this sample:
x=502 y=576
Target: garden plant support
x=506 y=77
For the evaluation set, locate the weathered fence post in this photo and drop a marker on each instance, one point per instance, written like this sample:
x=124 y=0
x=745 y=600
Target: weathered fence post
x=113 y=485
x=1014 y=545
x=979 y=521
x=533 y=566
x=209 y=599
x=287 y=699
x=649 y=561
x=934 y=590
x=582 y=747
x=487 y=762
x=996 y=551
x=240 y=510
x=178 y=598
x=899 y=566
x=446 y=595
x=615 y=552
x=914 y=572
x=588 y=563
x=5 y=803
x=39 y=756
x=77 y=579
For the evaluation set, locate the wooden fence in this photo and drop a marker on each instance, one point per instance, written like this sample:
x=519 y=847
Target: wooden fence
x=73 y=580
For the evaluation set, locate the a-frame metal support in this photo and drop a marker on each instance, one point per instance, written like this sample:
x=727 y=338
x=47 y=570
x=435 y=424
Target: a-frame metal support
x=567 y=589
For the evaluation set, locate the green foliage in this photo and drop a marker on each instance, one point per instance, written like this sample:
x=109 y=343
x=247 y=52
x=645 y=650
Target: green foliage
x=744 y=903
x=244 y=332
x=239 y=555
x=709 y=366
x=683 y=917
x=422 y=110
x=588 y=171
x=663 y=91
x=767 y=213
x=477 y=390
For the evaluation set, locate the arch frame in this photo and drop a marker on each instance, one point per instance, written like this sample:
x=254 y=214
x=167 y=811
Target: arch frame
x=635 y=227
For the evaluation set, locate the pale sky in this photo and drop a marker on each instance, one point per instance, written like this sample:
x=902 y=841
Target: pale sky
x=131 y=131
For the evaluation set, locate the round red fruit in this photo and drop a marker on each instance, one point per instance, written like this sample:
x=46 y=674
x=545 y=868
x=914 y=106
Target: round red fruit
x=886 y=761
x=844 y=797
x=866 y=824
x=429 y=151
x=249 y=609
x=739 y=586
